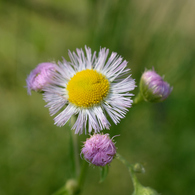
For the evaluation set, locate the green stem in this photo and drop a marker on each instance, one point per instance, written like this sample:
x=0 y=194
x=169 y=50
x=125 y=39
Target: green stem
x=82 y=175
x=77 y=173
x=76 y=154
x=71 y=153
x=133 y=177
x=74 y=151
x=123 y=160
x=138 y=98
x=131 y=168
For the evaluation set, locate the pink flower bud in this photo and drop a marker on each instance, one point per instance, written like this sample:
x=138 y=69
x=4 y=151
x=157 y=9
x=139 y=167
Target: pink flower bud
x=99 y=150
x=153 y=88
x=40 y=77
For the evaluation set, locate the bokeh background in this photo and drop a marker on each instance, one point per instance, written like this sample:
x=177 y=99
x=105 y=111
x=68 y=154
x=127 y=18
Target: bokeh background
x=34 y=154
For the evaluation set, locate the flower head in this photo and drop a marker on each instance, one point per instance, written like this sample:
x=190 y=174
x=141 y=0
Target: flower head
x=90 y=87
x=99 y=150
x=40 y=77
x=153 y=88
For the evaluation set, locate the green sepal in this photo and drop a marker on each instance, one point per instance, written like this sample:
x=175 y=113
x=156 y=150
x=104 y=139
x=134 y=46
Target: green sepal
x=103 y=173
x=147 y=93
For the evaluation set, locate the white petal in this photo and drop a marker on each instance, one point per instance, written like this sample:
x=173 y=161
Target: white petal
x=62 y=118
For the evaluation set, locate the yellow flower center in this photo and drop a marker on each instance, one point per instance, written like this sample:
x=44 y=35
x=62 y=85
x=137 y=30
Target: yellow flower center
x=87 y=88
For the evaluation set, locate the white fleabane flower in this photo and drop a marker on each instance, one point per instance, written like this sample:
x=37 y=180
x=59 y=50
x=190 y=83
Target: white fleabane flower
x=90 y=87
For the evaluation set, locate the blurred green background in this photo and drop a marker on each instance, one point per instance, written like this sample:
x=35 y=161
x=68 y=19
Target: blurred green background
x=34 y=154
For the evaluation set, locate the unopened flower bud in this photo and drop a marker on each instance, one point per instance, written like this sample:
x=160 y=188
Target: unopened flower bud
x=142 y=190
x=153 y=88
x=99 y=149
x=72 y=187
x=138 y=168
x=40 y=77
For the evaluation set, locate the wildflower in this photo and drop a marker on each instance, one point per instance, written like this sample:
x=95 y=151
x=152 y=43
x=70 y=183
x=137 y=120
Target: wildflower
x=40 y=77
x=153 y=88
x=90 y=87
x=99 y=150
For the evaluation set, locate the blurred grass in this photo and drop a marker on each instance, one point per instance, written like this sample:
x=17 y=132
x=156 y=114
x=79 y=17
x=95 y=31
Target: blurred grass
x=34 y=153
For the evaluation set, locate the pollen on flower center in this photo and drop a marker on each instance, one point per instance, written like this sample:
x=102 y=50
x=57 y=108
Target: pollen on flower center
x=87 y=88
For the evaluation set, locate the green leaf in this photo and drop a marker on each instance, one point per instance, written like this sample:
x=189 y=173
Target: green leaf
x=103 y=173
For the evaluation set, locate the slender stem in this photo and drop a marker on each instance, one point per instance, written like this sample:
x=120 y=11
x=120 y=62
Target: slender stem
x=123 y=160
x=72 y=156
x=82 y=175
x=76 y=154
x=133 y=177
x=138 y=98
x=74 y=150
x=77 y=173
x=131 y=170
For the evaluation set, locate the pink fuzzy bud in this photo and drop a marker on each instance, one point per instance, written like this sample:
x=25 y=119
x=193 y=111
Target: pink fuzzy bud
x=153 y=88
x=40 y=77
x=99 y=150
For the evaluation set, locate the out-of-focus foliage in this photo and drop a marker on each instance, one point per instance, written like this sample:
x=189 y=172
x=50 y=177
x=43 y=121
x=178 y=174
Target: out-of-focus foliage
x=34 y=154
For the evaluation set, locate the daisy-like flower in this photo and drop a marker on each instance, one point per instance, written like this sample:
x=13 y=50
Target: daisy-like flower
x=90 y=87
x=99 y=149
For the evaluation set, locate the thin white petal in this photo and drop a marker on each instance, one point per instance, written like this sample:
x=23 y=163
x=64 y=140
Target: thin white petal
x=62 y=118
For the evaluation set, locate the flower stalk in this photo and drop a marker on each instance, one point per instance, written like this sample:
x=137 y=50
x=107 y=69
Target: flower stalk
x=138 y=98
x=82 y=175
x=74 y=151
x=139 y=189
